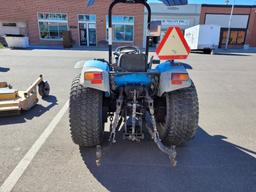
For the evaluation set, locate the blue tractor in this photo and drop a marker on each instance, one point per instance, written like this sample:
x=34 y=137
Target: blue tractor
x=130 y=96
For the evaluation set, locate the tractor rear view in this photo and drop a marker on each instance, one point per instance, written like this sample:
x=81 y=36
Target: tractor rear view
x=135 y=98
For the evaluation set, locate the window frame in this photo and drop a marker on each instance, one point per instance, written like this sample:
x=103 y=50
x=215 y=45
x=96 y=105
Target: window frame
x=121 y=23
x=51 y=21
x=89 y=21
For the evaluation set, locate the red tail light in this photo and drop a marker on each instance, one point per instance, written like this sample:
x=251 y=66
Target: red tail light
x=93 y=77
x=178 y=78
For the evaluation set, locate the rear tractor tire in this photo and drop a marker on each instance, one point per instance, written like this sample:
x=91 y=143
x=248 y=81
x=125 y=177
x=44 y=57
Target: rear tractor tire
x=180 y=120
x=85 y=115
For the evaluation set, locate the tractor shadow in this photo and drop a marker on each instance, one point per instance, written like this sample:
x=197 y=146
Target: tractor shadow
x=207 y=163
x=34 y=112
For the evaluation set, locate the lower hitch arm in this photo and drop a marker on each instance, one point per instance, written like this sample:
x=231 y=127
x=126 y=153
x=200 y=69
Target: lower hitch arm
x=98 y=155
x=171 y=152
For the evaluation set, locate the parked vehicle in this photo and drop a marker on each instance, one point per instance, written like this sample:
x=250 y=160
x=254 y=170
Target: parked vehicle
x=133 y=97
x=203 y=37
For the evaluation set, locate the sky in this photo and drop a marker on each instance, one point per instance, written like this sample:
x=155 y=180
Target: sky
x=237 y=2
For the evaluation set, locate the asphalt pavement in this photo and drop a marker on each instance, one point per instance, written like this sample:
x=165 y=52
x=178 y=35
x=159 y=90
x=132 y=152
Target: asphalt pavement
x=222 y=156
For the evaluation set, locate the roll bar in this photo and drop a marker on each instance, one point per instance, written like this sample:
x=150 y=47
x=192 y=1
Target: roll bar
x=143 y=2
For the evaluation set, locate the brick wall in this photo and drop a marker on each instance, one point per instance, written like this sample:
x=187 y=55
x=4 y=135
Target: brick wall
x=251 y=33
x=26 y=11
x=251 y=11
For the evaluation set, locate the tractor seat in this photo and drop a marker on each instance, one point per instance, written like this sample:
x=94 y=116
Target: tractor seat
x=133 y=62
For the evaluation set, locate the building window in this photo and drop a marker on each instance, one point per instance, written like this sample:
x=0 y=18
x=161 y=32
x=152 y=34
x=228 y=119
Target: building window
x=52 y=25
x=87 y=18
x=123 y=28
x=240 y=37
x=236 y=38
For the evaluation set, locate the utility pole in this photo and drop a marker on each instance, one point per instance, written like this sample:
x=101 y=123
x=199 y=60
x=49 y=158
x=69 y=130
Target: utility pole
x=229 y=23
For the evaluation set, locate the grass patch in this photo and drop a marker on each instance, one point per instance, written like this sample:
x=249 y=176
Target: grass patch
x=1 y=46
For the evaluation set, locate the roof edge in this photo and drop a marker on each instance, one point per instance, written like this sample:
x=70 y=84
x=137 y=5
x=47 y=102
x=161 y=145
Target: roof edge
x=219 y=5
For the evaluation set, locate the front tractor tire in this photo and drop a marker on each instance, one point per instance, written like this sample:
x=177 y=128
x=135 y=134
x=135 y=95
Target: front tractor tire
x=181 y=116
x=85 y=115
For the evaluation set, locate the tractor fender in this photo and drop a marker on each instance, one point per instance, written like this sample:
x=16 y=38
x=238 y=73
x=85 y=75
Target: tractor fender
x=166 y=70
x=79 y=64
x=96 y=66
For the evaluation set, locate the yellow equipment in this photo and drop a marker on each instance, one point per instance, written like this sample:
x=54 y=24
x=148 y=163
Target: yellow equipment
x=13 y=101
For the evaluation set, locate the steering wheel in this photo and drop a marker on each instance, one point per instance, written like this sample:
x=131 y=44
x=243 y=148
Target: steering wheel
x=126 y=50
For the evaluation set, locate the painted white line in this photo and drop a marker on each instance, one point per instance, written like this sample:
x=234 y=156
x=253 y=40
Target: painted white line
x=248 y=152
x=13 y=178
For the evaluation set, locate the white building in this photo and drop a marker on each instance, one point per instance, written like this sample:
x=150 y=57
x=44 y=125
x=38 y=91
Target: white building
x=182 y=16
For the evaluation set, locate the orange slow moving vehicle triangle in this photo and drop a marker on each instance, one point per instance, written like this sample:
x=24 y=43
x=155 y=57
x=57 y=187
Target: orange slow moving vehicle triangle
x=173 y=45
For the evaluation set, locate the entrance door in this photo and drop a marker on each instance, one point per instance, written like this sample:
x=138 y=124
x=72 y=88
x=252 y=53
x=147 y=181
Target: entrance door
x=83 y=34
x=92 y=34
x=87 y=33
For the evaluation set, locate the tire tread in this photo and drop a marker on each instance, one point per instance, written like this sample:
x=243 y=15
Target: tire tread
x=182 y=116
x=85 y=115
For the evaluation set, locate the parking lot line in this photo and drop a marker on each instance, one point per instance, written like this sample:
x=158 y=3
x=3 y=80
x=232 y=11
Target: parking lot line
x=13 y=178
x=248 y=152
